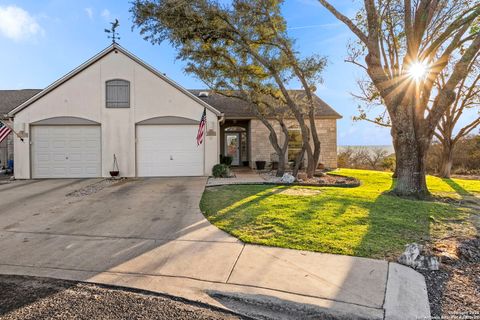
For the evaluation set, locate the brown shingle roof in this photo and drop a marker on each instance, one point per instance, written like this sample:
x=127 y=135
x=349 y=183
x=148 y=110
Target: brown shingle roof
x=237 y=108
x=231 y=107
x=10 y=99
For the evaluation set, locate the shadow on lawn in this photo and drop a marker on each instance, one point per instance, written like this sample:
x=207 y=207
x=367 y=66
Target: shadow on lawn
x=458 y=188
x=336 y=223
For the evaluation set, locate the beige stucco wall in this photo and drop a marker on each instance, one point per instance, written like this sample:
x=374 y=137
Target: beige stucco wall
x=261 y=148
x=84 y=96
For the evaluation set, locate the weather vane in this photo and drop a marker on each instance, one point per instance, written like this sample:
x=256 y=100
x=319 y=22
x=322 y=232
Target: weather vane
x=113 y=34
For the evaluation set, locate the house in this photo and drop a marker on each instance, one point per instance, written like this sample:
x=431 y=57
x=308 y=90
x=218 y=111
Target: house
x=116 y=104
x=246 y=139
x=9 y=99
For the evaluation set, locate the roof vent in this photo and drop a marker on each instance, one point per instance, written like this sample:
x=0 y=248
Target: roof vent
x=203 y=94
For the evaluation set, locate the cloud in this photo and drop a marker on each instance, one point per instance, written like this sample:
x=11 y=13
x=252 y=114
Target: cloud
x=89 y=12
x=106 y=14
x=17 y=24
x=326 y=25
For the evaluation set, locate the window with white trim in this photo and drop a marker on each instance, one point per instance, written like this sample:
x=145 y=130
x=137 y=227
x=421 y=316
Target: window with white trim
x=117 y=93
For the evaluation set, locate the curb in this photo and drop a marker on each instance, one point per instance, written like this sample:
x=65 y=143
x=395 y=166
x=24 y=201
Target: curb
x=406 y=294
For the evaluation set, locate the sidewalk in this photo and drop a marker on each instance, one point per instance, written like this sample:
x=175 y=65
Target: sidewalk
x=257 y=281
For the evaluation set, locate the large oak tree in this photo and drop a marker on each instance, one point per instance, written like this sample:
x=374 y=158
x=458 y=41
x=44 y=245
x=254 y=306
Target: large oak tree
x=241 y=49
x=406 y=45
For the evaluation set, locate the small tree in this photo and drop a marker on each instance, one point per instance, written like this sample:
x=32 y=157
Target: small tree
x=407 y=45
x=241 y=47
x=468 y=97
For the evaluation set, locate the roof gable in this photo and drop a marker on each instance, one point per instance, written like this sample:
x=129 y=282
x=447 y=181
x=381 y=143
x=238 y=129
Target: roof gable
x=98 y=57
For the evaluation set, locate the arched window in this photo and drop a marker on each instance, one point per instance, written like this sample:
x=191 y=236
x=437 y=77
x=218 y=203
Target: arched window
x=235 y=129
x=117 y=93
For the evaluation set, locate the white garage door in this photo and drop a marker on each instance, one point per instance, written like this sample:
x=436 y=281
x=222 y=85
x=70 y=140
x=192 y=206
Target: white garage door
x=66 y=152
x=168 y=150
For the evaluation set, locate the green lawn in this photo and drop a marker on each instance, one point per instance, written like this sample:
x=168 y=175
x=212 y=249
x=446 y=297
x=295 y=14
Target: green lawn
x=360 y=221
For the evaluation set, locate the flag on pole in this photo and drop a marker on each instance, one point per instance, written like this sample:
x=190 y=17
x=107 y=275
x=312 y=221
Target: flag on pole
x=4 y=131
x=201 y=127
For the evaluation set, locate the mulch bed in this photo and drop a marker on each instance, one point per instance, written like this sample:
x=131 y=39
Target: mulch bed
x=319 y=180
x=454 y=290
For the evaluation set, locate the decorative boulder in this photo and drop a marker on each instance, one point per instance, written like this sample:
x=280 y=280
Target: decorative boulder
x=287 y=178
x=302 y=176
x=412 y=257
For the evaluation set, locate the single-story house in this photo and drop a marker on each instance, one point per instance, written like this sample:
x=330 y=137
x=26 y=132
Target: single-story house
x=116 y=104
x=9 y=99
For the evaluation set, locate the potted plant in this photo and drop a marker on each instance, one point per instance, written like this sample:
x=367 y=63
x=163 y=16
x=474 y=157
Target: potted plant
x=115 y=171
x=228 y=160
x=274 y=158
x=260 y=164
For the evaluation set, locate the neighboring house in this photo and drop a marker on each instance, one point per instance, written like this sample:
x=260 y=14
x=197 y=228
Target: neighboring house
x=9 y=99
x=117 y=104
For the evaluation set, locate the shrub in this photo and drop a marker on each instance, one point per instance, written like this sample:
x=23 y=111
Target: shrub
x=220 y=170
x=226 y=160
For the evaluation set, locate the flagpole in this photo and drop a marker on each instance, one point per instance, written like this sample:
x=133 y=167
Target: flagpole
x=20 y=137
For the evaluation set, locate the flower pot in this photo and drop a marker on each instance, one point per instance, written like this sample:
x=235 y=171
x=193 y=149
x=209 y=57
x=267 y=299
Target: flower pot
x=260 y=165
x=246 y=163
x=274 y=165
x=114 y=173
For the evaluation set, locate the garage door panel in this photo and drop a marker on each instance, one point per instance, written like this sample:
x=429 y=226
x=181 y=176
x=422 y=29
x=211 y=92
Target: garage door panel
x=66 y=151
x=168 y=150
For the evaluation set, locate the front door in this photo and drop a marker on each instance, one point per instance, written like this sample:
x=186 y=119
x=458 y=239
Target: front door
x=232 y=147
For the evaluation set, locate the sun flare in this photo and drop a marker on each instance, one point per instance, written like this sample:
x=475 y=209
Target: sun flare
x=418 y=70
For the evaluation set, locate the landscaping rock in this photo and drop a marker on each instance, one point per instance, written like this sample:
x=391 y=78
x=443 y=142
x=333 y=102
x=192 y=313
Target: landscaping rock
x=302 y=176
x=412 y=257
x=287 y=178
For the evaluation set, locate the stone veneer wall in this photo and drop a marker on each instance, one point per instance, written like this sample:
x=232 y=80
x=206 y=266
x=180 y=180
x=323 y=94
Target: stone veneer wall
x=261 y=149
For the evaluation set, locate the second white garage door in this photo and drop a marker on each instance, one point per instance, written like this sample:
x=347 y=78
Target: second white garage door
x=66 y=151
x=168 y=150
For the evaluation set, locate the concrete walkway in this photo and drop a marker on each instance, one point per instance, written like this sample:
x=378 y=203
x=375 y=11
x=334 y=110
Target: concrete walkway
x=241 y=175
x=150 y=234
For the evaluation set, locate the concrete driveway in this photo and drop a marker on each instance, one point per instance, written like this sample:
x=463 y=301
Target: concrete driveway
x=150 y=234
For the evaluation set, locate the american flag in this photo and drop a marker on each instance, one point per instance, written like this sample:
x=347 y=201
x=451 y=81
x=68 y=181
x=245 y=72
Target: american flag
x=201 y=127
x=4 y=131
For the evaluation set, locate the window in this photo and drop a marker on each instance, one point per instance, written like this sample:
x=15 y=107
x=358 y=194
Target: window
x=118 y=94
x=235 y=129
x=294 y=143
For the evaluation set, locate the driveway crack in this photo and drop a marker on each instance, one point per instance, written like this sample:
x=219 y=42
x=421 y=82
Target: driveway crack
x=235 y=264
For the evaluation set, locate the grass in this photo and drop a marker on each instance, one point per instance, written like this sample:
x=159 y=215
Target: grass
x=361 y=221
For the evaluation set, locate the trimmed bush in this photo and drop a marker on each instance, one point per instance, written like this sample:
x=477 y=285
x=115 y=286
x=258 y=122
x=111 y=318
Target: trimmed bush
x=226 y=160
x=220 y=171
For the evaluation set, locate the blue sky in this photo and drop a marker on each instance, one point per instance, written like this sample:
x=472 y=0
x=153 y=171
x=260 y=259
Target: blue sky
x=41 y=40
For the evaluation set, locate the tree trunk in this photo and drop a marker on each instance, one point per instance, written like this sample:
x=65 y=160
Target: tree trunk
x=410 y=170
x=395 y=172
x=298 y=161
x=312 y=166
x=281 y=166
x=446 y=160
x=280 y=150
x=282 y=159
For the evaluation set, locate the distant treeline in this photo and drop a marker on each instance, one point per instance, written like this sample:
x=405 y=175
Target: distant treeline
x=466 y=159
